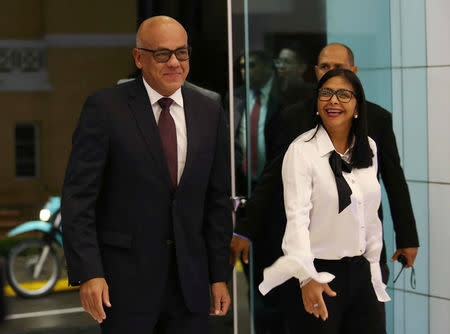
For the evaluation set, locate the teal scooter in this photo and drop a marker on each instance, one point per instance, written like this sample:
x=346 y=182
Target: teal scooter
x=33 y=265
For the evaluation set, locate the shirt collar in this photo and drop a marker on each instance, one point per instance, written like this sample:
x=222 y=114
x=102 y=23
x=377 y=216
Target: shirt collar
x=265 y=90
x=347 y=155
x=325 y=145
x=154 y=96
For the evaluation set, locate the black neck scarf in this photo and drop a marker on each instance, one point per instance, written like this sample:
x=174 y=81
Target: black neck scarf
x=338 y=165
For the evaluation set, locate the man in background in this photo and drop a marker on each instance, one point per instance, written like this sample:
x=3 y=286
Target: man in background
x=265 y=104
x=265 y=217
x=291 y=67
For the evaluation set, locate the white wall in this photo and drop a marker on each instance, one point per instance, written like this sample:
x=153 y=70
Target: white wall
x=438 y=78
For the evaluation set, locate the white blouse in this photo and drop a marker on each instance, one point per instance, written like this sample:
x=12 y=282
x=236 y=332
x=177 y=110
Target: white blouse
x=314 y=228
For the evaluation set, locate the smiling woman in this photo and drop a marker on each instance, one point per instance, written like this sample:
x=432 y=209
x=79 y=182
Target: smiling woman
x=337 y=109
x=333 y=234
x=341 y=108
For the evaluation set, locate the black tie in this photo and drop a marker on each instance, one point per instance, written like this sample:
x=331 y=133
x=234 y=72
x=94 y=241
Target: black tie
x=168 y=134
x=338 y=166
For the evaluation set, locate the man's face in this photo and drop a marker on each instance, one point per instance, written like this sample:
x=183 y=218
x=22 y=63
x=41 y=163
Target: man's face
x=165 y=77
x=259 y=74
x=331 y=57
x=288 y=65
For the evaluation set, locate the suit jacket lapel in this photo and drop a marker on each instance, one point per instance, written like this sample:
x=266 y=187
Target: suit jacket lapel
x=142 y=111
x=273 y=101
x=239 y=112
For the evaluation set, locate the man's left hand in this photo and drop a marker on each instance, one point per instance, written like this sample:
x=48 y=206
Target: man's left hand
x=239 y=245
x=410 y=254
x=221 y=299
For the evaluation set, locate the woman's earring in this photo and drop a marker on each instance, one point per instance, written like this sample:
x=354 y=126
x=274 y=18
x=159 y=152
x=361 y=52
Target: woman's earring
x=355 y=116
x=317 y=113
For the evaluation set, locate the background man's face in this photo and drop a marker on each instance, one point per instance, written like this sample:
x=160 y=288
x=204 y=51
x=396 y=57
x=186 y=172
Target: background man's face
x=288 y=65
x=166 y=77
x=331 y=57
x=259 y=71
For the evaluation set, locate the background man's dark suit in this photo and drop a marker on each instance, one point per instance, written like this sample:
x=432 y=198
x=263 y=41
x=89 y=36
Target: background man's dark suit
x=120 y=213
x=273 y=107
x=380 y=130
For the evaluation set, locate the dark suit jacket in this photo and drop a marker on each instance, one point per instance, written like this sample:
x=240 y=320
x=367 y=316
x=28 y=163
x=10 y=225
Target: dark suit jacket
x=380 y=130
x=265 y=217
x=119 y=209
x=209 y=93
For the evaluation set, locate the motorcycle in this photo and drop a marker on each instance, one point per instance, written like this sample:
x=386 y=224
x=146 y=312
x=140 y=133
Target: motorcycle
x=33 y=265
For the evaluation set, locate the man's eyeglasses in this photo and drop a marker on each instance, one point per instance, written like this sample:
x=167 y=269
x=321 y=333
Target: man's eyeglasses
x=343 y=95
x=163 y=55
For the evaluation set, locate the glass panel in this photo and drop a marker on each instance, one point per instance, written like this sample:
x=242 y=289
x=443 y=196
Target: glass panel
x=288 y=28
x=275 y=46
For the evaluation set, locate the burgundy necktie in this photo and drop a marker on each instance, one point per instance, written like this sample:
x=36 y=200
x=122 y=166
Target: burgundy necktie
x=254 y=122
x=168 y=134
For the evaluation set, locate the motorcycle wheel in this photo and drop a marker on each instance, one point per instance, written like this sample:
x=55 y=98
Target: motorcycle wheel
x=21 y=263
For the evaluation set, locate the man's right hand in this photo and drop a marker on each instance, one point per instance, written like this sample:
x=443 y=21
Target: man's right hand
x=93 y=294
x=239 y=245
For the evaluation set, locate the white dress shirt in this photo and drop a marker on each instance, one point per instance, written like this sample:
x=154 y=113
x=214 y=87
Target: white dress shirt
x=242 y=136
x=314 y=227
x=177 y=113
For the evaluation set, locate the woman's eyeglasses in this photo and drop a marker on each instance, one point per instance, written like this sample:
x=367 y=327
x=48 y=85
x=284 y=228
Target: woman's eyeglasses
x=343 y=95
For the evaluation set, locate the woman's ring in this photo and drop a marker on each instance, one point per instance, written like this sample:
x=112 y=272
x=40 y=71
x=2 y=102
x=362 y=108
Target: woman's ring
x=316 y=305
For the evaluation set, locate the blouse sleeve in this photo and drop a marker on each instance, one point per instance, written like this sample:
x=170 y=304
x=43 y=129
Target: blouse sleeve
x=298 y=259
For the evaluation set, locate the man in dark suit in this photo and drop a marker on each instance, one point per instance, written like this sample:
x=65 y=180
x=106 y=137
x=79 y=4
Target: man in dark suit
x=145 y=206
x=291 y=66
x=265 y=218
x=264 y=105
